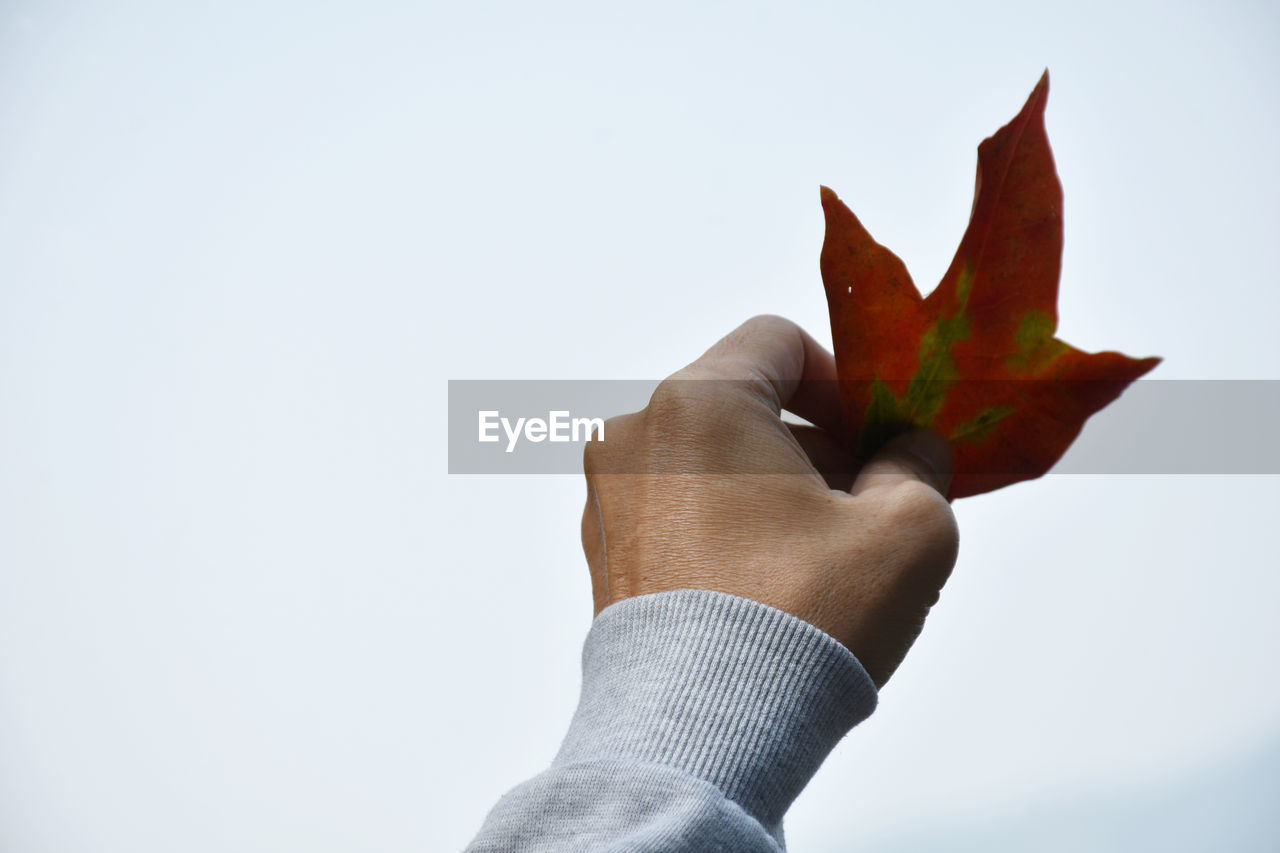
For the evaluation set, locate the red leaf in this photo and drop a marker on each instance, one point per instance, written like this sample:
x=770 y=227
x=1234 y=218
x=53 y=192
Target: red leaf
x=977 y=360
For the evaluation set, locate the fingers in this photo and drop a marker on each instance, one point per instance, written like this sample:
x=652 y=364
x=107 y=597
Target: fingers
x=827 y=454
x=921 y=455
x=816 y=397
x=791 y=369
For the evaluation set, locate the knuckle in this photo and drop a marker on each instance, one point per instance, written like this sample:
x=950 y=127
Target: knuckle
x=769 y=323
x=761 y=327
x=917 y=506
x=918 y=519
x=677 y=400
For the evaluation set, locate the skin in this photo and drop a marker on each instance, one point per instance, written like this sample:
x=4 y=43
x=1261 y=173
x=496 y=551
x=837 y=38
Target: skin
x=708 y=488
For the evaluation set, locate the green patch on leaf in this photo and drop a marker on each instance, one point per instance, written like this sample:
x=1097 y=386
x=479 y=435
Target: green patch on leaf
x=927 y=390
x=1036 y=345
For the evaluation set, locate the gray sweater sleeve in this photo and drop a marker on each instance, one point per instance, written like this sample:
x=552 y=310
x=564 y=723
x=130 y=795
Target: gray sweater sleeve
x=702 y=716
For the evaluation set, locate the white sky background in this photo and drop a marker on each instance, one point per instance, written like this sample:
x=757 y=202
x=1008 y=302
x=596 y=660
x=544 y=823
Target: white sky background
x=242 y=605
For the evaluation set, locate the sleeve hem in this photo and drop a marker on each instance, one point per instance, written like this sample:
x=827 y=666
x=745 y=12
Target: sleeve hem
x=731 y=691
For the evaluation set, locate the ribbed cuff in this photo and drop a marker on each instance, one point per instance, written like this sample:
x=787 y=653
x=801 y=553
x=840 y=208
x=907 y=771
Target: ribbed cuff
x=734 y=692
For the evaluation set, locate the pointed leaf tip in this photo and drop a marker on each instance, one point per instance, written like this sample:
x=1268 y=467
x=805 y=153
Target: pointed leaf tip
x=1039 y=96
x=832 y=205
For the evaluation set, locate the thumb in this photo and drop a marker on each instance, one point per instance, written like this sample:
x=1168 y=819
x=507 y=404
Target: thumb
x=922 y=455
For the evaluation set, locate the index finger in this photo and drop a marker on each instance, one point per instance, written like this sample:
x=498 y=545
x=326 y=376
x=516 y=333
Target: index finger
x=784 y=364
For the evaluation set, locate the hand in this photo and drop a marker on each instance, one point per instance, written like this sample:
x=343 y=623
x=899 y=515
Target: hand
x=708 y=488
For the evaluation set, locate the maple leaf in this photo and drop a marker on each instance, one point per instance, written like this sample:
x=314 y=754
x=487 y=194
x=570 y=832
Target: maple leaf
x=977 y=360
